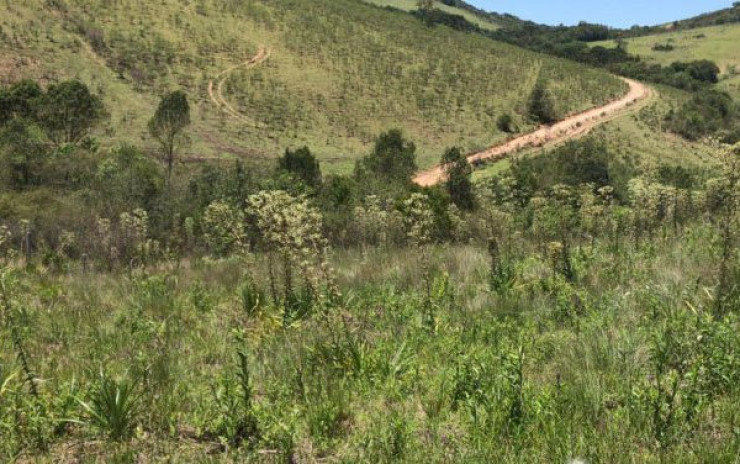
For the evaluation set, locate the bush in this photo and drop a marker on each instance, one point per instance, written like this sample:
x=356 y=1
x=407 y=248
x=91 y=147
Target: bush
x=303 y=164
x=707 y=113
x=505 y=123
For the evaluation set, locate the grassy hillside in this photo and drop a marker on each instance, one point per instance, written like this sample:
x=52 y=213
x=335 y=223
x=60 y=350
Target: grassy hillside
x=484 y=22
x=340 y=71
x=716 y=43
x=713 y=18
x=639 y=139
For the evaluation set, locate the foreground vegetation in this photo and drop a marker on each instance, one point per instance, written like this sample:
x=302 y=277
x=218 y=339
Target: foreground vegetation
x=574 y=306
x=613 y=349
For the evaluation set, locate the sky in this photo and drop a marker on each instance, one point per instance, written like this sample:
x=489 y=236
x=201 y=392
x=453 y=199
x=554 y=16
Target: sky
x=615 y=13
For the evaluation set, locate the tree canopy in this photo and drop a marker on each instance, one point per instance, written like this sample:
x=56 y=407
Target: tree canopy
x=303 y=164
x=67 y=111
x=393 y=157
x=540 y=107
x=168 y=123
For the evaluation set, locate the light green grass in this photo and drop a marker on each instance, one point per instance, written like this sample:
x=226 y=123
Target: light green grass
x=366 y=382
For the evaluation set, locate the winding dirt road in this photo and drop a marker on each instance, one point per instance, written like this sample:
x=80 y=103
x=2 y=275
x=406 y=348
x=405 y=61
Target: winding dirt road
x=216 y=92
x=569 y=128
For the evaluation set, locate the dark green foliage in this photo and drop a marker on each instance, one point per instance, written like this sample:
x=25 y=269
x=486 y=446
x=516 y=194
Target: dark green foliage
x=24 y=156
x=337 y=200
x=18 y=101
x=393 y=157
x=458 y=184
x=434 y=16
x=571 y=42
x=540 y=107
x=701 y=70
x=663 y=48
x=232 y=183
x=505 y=123
x=581 y=162
x=439 y=202
x=729 y=15
x=168 y=123
x=128 y=180
x=678 y=176
x=303 y=164
x=68 y=111
x=707 y=113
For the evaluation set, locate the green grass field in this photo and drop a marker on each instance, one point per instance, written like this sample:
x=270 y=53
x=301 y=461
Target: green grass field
x=340 y=73
x=715 y=43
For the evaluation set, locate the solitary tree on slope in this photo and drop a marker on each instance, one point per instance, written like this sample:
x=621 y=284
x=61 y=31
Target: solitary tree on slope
x=168 y=125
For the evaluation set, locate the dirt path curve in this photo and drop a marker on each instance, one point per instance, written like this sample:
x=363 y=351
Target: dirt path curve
x=215 y=91
x=569 y=128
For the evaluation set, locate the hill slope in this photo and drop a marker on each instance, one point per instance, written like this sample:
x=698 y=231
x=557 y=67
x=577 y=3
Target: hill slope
x=472 y=15
x=716 y=43
x=339 y=72
x=713 y=18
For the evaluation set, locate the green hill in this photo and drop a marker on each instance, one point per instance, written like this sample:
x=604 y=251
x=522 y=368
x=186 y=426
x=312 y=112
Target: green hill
x=715 y=43
x=713 y=18
x=340 y=72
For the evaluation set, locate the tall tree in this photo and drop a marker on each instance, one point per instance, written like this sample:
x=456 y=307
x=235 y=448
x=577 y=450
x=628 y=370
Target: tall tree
x=458 y=185
x=168 y=125
x=540 y=107
x=68 y=111
x=425 y=9
x=22 y=154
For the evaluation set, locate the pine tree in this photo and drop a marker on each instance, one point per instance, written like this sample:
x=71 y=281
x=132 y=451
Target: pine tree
x=458 y=183
x=540 y=107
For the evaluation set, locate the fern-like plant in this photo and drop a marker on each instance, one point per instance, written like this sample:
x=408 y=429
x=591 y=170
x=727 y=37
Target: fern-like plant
x=112 y=407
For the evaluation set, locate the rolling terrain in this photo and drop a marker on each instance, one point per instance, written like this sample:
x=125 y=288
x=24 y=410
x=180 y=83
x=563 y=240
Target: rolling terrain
x=340 y=72
x=310 y=285
x=715 y=43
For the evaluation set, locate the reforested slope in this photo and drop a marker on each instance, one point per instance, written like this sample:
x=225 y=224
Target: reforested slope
x=340 y=71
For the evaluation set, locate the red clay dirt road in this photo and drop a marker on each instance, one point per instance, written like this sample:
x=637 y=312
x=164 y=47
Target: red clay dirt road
x=569 y=128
